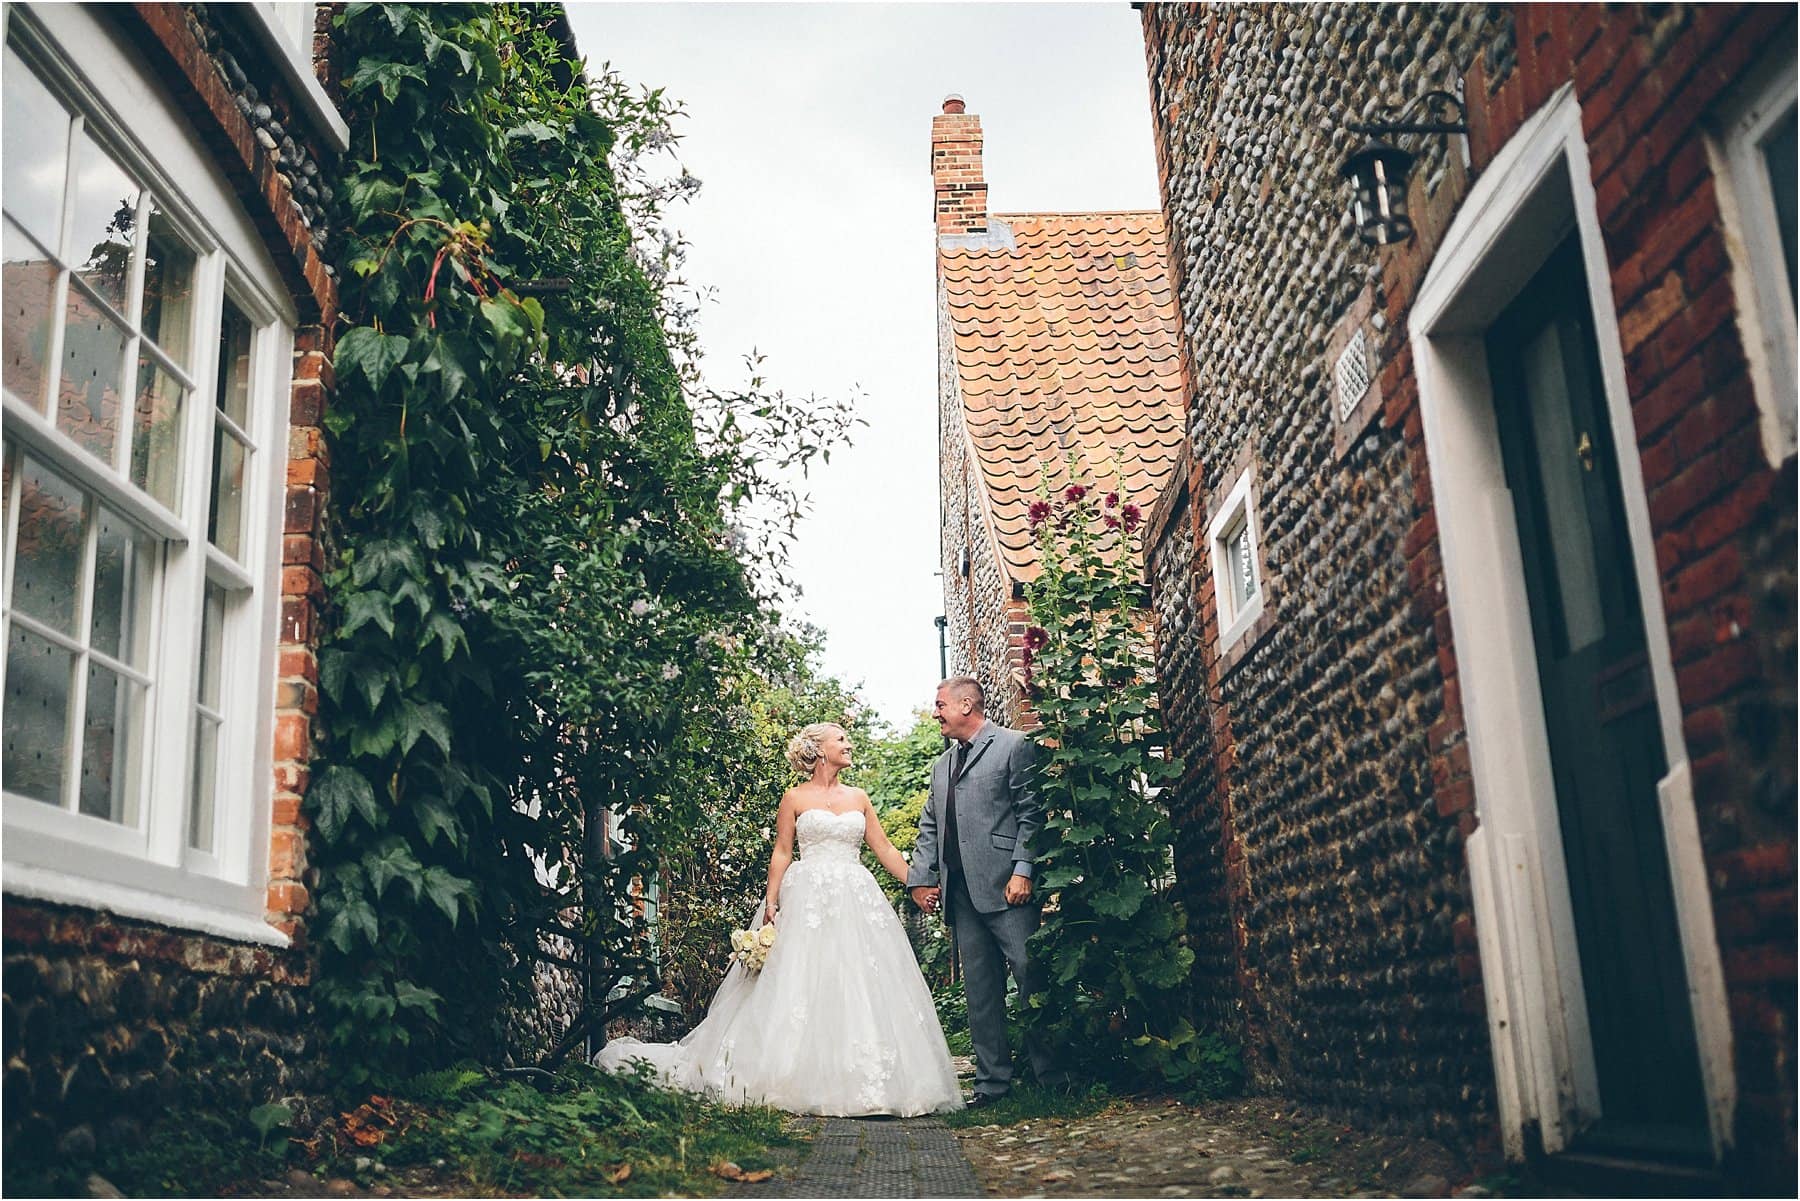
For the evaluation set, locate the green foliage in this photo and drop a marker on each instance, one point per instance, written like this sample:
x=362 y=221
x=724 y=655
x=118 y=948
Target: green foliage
x=267 y=1119
x=1113 y=945
x=186 y=1153
x=1028 y=1102
x=462 y=1133
x=573 y=1141
x=554 y=546
x=895 y=768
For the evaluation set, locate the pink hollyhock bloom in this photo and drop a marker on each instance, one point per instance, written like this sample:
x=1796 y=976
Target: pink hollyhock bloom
x=1112 y=500
x=1039 y=513
x=1074 y=492
x=1112 y=523
x=1133 y=515
x=1037 y=638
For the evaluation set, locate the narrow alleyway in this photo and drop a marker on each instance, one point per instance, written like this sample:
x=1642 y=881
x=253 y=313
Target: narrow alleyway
x=852 y=1157
x=1135 y=1147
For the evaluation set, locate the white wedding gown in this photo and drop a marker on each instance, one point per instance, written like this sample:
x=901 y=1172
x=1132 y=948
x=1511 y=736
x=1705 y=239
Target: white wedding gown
x=838 y=1022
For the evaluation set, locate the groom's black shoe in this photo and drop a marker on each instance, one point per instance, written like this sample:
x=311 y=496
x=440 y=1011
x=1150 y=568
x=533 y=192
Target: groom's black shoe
x=977 y=1100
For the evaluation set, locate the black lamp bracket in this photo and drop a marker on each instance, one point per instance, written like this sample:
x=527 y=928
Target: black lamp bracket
x=1405 y=121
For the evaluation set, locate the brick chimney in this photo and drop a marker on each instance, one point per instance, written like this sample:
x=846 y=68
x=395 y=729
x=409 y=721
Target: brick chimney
x=961 y=191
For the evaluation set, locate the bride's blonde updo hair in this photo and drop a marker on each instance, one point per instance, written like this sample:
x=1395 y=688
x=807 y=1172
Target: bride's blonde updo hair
x=803 y=748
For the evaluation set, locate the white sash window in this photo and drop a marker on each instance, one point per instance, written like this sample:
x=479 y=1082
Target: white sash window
x=145 y=370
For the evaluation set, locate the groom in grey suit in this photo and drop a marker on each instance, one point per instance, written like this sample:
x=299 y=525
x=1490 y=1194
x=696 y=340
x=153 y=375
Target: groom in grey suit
x=973 y=862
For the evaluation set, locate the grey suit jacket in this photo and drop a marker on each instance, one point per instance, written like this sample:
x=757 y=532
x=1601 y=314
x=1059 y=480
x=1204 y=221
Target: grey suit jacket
x=997 y=815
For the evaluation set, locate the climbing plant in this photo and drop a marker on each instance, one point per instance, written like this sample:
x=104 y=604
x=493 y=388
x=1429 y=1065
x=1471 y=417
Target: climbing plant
x=1113 y=945
x=539 y=578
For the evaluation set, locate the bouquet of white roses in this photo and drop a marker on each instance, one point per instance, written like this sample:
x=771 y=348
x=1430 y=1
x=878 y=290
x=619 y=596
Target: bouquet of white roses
x=751 y=947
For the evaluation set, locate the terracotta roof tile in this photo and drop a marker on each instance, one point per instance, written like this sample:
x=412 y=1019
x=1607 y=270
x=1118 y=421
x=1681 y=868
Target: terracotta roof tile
x=1067 y=342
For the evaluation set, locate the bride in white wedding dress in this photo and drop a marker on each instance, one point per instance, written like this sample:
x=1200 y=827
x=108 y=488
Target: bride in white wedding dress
x=839 y=1021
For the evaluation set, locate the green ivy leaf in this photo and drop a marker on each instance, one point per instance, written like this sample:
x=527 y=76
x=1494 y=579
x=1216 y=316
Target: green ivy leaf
x=337 y=792
x=417 y=719
x=449 y=893
x=372 y=355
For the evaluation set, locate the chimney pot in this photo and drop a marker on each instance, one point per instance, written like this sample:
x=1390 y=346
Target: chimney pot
x=953 y=103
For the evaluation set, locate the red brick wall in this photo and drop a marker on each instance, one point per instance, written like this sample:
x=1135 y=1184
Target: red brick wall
x=1723 y=518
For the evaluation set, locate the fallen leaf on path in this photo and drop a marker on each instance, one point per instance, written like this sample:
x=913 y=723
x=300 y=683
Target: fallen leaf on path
x=758 y=1176
x=620 y=1174
x=1052 y=1177
x=727 y=1169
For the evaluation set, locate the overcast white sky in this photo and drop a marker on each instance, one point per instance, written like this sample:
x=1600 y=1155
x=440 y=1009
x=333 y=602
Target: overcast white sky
x=809 y=126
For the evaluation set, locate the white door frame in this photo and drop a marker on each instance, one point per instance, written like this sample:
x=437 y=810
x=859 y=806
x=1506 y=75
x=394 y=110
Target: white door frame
x=1528 y=199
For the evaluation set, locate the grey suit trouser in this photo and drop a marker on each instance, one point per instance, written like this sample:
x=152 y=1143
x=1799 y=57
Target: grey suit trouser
x=990 y=944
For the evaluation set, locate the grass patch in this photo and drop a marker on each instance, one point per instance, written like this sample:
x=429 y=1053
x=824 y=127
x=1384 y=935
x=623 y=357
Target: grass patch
x=457 y=1133
x=595 y=1135
x=187 y=1154
x=1029 y=1102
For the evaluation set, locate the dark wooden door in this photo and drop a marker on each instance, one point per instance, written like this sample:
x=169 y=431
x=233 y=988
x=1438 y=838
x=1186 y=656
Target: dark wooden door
x=1600 y=710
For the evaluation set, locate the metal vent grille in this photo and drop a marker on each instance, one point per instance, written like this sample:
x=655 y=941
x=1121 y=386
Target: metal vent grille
x=1352 y=373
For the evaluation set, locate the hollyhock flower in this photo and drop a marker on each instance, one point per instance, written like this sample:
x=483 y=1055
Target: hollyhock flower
x=1025 y=657
x=1037 y=638
x=1133 y=515
x=1112 y=500
x=1039 y=513
x=1112 y=523
x=1074 y=492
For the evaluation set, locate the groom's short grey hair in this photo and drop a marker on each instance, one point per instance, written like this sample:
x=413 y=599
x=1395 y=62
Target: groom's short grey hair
x=967 y=686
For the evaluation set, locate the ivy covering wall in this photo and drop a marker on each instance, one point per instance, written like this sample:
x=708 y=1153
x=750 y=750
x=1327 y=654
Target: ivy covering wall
x=547 y=570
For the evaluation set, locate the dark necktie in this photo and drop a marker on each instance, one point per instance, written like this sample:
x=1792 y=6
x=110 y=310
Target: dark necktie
x=953 y=865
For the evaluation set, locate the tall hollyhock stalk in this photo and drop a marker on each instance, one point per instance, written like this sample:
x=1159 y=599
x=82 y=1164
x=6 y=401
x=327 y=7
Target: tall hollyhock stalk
x=1113 y=947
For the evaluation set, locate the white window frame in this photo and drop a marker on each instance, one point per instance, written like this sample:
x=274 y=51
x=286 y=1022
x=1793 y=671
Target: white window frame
x=148 y=870
x=1238 y=509
x=1766 y=317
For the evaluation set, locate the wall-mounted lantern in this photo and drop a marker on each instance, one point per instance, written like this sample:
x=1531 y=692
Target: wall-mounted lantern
x=1378 y=171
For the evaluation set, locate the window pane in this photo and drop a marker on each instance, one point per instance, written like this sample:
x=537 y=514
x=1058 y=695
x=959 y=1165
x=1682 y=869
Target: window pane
x=225 y=527
x=28 y=292
x=106 y=215
x=87 y=396
x=156 y=432
x=234 y=365
x=35 y=153
x=212 y=643
x=206 y=783
x=168 y=290
x=111 y=746
x=1565 y=497
x=1242 y=565
x=47 y=561
x=1779 y=156
x=37 y=716
x=122 y=585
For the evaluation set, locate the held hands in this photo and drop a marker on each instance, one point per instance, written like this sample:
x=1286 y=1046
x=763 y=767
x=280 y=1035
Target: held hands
x=1018 y=890
x=927 y=898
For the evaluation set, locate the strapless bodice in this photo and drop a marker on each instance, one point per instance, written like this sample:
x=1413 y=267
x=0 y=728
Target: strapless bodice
x=822 y=834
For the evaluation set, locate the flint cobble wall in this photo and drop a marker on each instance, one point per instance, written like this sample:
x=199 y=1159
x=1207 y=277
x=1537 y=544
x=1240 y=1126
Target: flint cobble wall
x=110 y=1023
x=1314 y=819
x=1197 y=804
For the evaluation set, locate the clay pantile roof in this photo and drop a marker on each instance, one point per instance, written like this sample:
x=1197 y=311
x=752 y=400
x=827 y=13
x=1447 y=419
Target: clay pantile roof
x=1065 y=341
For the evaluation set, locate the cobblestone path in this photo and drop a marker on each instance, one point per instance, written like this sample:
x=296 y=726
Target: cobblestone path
x=876 y=1157
x=1252 y=1147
